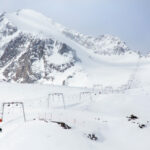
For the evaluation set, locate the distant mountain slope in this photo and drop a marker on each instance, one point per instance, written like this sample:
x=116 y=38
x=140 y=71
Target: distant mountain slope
x=33 y=48
x=104 y=44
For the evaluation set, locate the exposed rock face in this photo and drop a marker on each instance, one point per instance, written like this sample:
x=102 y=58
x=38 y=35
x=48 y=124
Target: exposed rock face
x=22 y=52
x=27 y=58
x=6 y=27
x=35 y=49
x=104 y=44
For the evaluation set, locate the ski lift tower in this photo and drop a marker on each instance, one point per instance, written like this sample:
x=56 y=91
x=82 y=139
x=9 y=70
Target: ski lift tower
x=8 y=104
x=85 y=95
x=52 y=96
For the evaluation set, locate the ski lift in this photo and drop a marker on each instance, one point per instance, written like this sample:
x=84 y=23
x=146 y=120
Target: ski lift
x=52 y=97
x=11 y=103
x=85 y=95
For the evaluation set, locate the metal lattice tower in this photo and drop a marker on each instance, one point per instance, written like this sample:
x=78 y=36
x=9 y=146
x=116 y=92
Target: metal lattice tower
x=6 y=104
x=52 y=97
x=83 y=94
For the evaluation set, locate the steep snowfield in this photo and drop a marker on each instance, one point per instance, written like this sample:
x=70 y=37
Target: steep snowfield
x=36 y=23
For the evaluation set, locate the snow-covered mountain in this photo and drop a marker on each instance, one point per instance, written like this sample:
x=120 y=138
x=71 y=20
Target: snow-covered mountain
x=104 y=44
x=112 y=115
x=33 y=48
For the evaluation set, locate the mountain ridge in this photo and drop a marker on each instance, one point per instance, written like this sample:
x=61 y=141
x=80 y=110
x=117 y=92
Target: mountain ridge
x=33 y=48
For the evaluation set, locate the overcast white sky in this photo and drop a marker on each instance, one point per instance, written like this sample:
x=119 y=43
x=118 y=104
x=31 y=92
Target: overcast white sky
x=127 y=19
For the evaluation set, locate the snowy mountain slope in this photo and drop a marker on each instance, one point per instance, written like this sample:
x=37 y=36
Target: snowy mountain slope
x=30 y=21
x=26 y=57
x=33 y=48
x=104 y=44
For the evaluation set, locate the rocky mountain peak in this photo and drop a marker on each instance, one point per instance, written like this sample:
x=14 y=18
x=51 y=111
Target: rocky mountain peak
x=33 y=48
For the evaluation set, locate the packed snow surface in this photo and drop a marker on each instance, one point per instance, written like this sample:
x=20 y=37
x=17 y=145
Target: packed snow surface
x=104 y=115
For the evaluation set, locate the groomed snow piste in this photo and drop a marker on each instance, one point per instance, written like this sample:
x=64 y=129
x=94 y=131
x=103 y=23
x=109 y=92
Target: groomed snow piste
x=104 y=115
